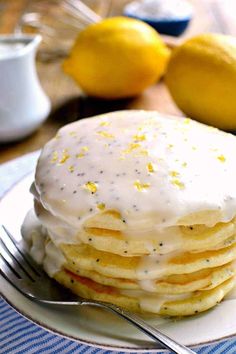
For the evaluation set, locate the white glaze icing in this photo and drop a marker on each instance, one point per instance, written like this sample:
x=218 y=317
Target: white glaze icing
x=152 y=168
x=153 y=303
x=147 y=285
x=169 y=238
x=59 y=231
x=45 y=252
x=154 y=266
x=42 y=250
x=53 y=260
x=34 y=237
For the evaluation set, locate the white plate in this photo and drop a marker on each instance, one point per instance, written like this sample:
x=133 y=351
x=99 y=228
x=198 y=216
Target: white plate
x=97 y=327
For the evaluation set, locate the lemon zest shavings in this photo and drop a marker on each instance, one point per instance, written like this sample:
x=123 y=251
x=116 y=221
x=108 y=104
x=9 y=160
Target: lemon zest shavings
x=105 y=134
x=71 y=168
x=101 y=206
x=187 y=121
x=176 y=182
x=221 y=158
x=139 y=137
x=141 y=186
x=54 y=157
x=80 y=155
x=91 y=187
x=72 y=133
x=104 y=124
x=151 y=167
x=131 y=148
x=174 y=173
x=65 y=157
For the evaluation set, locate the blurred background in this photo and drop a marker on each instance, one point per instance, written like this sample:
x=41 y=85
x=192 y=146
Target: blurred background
x=57 y=17
x=59 y=22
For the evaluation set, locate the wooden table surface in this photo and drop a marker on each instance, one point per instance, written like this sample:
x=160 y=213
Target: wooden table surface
x=68 y=103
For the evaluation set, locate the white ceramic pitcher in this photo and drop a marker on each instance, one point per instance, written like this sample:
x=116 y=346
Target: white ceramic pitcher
x=23 y=103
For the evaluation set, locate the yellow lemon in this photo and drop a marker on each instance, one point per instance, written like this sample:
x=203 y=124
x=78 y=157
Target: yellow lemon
x=201 y=77
x=117 y=57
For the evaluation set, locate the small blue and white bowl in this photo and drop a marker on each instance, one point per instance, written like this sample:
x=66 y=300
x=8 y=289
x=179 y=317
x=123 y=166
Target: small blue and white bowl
x=169 y=17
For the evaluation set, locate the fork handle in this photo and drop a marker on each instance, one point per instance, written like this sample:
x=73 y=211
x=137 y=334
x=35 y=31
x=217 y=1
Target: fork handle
x=144 y=327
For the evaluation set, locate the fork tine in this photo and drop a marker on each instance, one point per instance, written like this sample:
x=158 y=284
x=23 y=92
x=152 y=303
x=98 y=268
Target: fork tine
x=16 y=267
x=11 y=276
x=10 y=262
x=7 y=271
x=23 y=253
x=13 y=256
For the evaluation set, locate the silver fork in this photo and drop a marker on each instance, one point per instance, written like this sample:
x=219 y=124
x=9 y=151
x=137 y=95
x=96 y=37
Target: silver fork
x=20 y=270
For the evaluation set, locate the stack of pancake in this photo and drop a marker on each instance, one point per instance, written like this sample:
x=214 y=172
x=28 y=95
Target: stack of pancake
x=138 y=209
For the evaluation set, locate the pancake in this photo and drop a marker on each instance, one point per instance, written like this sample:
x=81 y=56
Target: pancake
x=141 y=268
x=173 y=284
x=194 y=238
x=169 y=305
x=185 y=239
x=138 y=209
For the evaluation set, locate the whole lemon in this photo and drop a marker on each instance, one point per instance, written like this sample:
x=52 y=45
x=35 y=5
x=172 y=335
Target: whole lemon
x=117 y=57
x=201 y=77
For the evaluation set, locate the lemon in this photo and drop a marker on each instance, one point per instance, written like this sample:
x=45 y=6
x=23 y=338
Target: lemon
x=117 y=57
x=201 y=77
